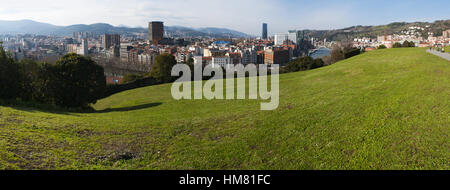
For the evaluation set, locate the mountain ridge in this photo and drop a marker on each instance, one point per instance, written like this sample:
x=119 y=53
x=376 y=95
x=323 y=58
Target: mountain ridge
x=40 y=28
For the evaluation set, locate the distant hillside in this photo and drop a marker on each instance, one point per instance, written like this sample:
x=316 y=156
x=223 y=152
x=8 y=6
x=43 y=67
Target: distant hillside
x=373 y=31
x=33 y=27
x=27 y=26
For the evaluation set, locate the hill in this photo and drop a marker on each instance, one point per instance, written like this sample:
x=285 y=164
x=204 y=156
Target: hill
x=436 y=28
x=14 y=27
x=385 y=109
x=33 y=27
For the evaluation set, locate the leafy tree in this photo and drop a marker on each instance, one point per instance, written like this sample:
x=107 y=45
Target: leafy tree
x=9 y=85
x=28 y=77
x=350 y=52
x=337 y=54
x=73 y=81
x=406 y=44
x=397 y=45
x=162 y=68
x=302 y=64
x=317 y=64
x=382 y=46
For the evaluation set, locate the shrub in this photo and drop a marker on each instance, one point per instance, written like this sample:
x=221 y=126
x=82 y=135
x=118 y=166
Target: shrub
x=9 y=85
x=337 y=54
x=397 y=45
x=302 y=64
x=350 y=52
x=131 y=77
x=73 y=81
x=381 y=47
x=28 y=76
x=162 y=68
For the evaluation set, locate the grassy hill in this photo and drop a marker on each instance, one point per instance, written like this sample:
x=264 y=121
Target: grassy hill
x=386 y=109
x=436 y=28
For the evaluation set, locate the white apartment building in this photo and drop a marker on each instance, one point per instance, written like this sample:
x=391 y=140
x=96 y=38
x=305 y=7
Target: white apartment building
x=281 y=38
x=146 y=59
x=221 y=61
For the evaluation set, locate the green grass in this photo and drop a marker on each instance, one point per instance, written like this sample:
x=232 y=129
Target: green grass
x=385 y=109
x=447 y=49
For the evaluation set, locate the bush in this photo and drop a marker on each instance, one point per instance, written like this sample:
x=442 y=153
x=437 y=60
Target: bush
x=381 y=47
x=337 y=54
x=302 y=64
x=73 y=81
x=131 y=78
x=397 y=45
x=28 y=76
x=9 y=85
x=162 y=68
x=350 y=52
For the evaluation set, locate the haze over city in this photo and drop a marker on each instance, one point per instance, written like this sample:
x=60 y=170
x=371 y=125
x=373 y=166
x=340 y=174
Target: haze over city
x=245 y=16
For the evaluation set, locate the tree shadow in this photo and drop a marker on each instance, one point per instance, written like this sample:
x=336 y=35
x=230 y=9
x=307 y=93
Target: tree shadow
x=131 y=108
x=37 y=107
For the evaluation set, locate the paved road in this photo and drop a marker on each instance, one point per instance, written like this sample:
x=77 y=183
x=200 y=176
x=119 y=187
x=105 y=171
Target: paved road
x=440 y=54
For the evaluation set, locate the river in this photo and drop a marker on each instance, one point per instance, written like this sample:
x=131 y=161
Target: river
x=321 y=52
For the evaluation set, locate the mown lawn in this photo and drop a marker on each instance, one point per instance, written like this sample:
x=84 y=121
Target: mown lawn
x=385 y=109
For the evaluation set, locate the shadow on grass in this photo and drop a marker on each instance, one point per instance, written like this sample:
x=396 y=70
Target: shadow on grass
x=131 y=108
x=37 y=107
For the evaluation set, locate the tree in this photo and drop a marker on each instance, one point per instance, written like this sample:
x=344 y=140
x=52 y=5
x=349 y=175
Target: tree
x=162 y=68
x=73 y=81
x=397 y=45
x=9 y=85
x=405 y=44
x=327 y=60
x=28 y=77
x=302 y=64
x=337 y=54
x=350 y=52
x=382 y=46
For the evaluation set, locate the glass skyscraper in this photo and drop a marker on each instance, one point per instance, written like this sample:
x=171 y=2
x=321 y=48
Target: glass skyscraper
x=264 y=31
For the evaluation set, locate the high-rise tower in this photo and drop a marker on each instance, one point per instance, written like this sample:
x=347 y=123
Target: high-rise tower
x=264 y=31
x=155 y=32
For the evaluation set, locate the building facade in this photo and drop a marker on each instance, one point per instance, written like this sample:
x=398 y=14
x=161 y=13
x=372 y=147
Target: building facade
x=155 y=32
x=276 y=56
x=110 y=40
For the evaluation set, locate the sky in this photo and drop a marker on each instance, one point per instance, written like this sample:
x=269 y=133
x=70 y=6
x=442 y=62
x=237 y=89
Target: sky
x=242 y=15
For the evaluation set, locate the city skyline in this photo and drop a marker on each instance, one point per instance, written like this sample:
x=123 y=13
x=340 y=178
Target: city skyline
x=281 y=16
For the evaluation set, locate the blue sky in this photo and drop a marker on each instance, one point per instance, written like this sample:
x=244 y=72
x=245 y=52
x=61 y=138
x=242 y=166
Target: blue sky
x=242 y=15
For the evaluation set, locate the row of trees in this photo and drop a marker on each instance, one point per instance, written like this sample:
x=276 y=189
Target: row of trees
x=343 y=51
x=405 y=44
x=73 y=81
x=302 y=64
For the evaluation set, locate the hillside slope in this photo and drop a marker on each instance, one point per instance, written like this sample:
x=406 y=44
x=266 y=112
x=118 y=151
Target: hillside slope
x=386 y=109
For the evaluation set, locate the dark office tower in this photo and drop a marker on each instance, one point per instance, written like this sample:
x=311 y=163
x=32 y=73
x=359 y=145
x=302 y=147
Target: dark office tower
x=155 y=32
x=264 y=31
x=110 y=40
